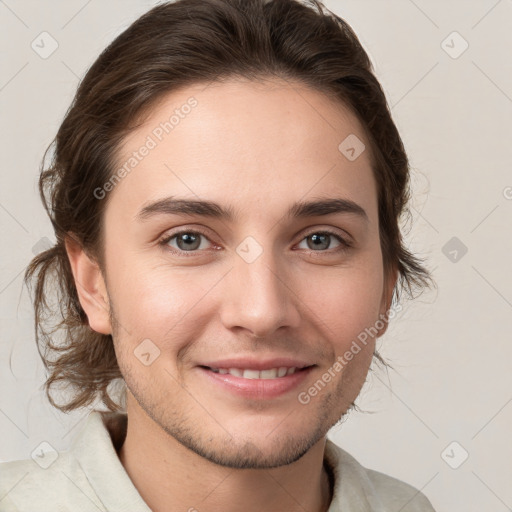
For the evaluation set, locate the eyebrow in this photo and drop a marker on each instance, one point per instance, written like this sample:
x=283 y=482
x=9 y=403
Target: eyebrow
x=301 y=209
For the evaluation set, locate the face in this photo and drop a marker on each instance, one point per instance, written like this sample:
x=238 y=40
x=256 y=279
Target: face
x=211 y=303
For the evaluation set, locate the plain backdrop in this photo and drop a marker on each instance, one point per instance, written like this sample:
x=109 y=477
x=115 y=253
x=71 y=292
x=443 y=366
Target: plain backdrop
x=441 y=421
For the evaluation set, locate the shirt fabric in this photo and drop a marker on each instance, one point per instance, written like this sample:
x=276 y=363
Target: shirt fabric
x=89 y=477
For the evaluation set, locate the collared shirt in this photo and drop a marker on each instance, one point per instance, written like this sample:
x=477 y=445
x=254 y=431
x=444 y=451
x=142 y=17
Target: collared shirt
x=89 y=477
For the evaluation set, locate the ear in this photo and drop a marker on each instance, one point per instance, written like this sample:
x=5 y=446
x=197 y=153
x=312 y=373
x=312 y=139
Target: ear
x=390 y=279
x=90 y=286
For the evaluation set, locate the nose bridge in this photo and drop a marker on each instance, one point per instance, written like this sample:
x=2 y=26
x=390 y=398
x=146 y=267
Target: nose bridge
x=258 y=297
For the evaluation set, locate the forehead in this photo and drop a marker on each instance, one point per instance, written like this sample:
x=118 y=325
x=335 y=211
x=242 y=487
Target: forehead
x=248 y=145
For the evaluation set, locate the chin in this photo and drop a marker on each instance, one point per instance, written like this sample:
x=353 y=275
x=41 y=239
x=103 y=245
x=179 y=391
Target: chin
x=253 y=445
x=253 y=455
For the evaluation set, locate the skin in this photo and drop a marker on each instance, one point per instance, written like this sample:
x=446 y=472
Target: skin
x=256 y=147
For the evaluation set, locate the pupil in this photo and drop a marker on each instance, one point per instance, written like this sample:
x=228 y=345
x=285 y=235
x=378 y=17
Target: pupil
x=320 y=240
x=189 y=241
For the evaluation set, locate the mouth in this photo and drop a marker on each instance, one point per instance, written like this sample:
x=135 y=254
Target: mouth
x=266 y=374
x=256 y=384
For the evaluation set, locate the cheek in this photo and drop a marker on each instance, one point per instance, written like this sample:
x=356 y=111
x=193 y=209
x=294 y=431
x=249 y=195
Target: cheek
x=160 y=301
x=346 y=302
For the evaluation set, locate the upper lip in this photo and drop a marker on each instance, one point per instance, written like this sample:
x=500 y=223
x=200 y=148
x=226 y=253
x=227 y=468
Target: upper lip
x=257 y=364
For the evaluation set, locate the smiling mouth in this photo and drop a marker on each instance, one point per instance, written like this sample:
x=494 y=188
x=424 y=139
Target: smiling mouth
x=267 y=374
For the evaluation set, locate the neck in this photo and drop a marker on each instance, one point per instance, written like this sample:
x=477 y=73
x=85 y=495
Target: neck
x=169 y=476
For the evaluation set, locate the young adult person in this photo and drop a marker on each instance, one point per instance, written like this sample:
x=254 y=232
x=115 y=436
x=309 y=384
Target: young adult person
x=225 y=192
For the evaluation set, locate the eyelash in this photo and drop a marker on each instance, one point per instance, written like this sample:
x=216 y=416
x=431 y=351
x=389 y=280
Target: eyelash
x=345 y=245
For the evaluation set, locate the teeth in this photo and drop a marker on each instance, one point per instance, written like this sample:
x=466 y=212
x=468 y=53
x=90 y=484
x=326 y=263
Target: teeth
x=282 y=371
x=270 y=373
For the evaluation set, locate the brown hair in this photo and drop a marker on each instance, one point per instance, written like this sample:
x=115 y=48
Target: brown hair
x=171 y=46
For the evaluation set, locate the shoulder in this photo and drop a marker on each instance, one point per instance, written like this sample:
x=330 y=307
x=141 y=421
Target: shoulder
x=357 y=485
x=50 y=481
x=398 y=495
x=87 y=476
x=50 y=485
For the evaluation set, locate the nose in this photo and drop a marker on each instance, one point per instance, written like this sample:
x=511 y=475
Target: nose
x=258 y=297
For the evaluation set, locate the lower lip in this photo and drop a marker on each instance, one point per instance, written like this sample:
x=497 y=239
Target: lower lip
x=261 y=389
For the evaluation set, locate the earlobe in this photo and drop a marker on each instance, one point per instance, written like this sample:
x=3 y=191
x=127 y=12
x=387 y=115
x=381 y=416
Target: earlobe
x=90 y=286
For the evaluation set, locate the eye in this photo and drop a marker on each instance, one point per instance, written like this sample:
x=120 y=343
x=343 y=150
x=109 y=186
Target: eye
x=191 y=242
x=319 y=241
x=185 y=241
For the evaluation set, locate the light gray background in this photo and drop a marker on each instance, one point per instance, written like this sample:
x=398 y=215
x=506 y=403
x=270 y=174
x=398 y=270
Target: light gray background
x=452 y=348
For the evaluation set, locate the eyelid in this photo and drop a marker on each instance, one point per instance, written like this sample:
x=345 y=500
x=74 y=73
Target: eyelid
x=168 y=236
x=344 y=238
x=344 y=243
